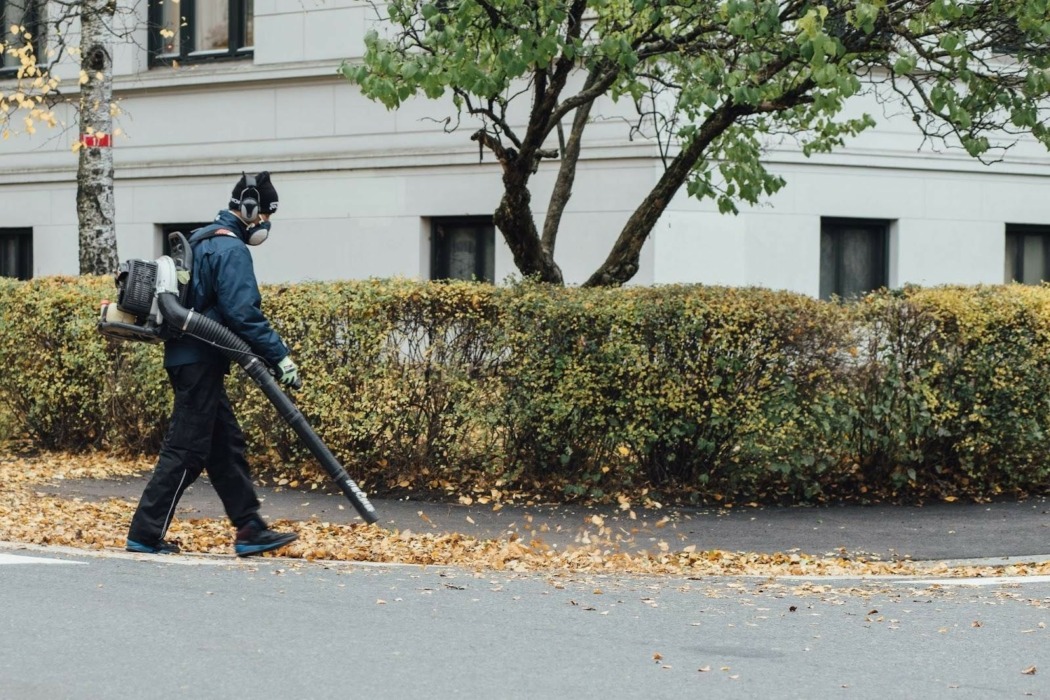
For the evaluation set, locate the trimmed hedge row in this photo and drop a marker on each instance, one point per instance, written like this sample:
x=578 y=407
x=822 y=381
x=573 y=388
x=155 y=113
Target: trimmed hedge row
x=693 y=392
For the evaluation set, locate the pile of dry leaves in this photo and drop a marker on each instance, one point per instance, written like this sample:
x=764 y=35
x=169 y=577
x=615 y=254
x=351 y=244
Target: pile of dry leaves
x=26 y=515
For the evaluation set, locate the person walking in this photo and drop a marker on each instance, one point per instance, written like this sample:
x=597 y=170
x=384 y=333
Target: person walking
x=204 y=434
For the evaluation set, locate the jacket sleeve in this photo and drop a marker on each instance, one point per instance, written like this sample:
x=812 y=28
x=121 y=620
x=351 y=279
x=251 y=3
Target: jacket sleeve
x=239 y=302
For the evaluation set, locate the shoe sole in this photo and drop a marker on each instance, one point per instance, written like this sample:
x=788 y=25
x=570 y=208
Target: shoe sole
x=247 y=550
x=138 y=548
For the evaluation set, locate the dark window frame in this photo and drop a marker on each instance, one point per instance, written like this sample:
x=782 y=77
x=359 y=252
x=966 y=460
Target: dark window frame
x=35 y=24
x=236 y=34
x=1007 y=39
x=186 y=229
x=23 y=237
x=485 y=241
x=877 y=227
x=1021 y=231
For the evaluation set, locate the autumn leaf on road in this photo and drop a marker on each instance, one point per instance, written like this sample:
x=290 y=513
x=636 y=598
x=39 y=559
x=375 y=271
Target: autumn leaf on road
x=30 y=515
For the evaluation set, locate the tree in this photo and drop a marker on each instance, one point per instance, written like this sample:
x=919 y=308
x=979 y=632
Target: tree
x=711 y=81
x=31 y=94
x=36 y=92
x=96 y=209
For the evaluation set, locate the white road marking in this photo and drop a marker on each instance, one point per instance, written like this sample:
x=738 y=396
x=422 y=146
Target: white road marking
x=982 y=581
x=912 y=580
x=198 y=559
x=189 y=559
x=23 y=559
x=194 y=559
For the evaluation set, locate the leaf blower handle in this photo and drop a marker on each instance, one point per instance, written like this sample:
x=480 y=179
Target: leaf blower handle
x=288 y=374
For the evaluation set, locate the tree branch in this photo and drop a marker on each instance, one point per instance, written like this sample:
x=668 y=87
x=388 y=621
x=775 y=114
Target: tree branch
x=566 y=177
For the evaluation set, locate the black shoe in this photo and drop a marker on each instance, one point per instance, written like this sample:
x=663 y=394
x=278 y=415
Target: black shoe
x=160 y=547
x=256 y=539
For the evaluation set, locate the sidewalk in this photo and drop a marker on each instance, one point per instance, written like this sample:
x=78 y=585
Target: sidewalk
x=941 y=531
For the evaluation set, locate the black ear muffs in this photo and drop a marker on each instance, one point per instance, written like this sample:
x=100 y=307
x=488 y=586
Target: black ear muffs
x=249 y=198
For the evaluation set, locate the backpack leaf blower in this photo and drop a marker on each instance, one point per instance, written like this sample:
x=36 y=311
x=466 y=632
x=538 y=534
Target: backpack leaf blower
x=150 y=307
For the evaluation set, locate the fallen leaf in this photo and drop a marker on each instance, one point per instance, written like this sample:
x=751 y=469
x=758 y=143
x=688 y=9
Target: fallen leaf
x=30 y=513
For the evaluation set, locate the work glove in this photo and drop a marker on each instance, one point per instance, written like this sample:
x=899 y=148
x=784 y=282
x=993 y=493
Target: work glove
x=288 y=373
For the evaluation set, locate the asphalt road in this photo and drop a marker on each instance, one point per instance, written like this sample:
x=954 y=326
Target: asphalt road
x=135 y=626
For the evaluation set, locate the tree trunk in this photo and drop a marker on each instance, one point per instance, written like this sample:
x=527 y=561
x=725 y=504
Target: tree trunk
x=516 y=223
x=622 y=263
x=95 y=205
x=570 y=158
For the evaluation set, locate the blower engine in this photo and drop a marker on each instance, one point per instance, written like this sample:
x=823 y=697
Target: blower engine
x=150 y=308
x=136 y=314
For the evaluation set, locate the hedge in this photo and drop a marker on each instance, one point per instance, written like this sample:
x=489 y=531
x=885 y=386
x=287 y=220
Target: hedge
x=693 y=393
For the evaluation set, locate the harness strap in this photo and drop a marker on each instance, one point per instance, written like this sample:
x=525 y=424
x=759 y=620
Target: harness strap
x=219 y=230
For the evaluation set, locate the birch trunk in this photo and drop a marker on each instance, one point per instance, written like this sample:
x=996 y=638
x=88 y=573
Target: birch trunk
x=95 y=205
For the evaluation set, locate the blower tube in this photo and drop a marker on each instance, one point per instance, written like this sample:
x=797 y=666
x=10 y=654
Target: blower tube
x=233 y=347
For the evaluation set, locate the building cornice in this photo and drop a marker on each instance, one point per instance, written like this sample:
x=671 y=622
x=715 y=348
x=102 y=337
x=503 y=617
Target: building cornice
x=194 y=76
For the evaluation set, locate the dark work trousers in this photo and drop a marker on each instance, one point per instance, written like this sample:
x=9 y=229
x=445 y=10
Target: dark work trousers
x=203 y=435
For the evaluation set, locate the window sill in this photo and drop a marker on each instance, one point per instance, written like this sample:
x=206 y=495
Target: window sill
x=223 y=72
x=202 y=58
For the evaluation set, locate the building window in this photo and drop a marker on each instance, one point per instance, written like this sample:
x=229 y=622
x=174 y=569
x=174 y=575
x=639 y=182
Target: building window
x=186 y=229
x=183 y=31
x=18 y=14
x=1027 y=253
x=463 y=249
x=853 y=257
x=16 y=253
x=1006 y=38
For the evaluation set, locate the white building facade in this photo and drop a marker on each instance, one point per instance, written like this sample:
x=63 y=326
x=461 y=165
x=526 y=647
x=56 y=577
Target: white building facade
x=364 y=192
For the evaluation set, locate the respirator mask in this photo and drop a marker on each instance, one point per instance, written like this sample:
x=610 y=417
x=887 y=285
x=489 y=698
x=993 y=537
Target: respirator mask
x=258 y=233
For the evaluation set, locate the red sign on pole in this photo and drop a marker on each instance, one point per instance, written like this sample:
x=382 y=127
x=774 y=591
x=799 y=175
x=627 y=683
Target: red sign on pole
x=96 y=140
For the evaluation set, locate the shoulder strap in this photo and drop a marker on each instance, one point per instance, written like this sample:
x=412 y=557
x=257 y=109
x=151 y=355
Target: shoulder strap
x=203 y=234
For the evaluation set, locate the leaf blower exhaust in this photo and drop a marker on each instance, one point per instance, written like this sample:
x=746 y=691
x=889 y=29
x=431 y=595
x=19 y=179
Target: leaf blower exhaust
x=150 y=308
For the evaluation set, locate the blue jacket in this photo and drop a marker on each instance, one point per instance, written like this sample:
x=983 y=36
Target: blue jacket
x=224 y=288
